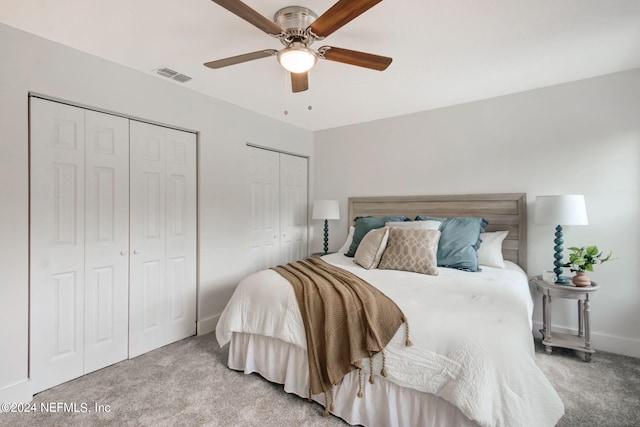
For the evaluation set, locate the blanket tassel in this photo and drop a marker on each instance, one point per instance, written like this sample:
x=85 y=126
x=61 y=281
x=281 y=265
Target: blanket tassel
x=309 y=399
x=333 y=397
x=360 y=383
x=383 y=371
x=326 y=405
x=371 y=380
x=329 y=396
x=407 y=341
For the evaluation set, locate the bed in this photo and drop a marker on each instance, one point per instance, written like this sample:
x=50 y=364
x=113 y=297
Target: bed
x=472 y=359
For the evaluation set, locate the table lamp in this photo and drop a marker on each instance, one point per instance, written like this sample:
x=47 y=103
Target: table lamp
x=326 y=210
x=561 y=210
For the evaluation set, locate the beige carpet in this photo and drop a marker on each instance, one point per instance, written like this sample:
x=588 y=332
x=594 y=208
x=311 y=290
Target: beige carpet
x=188 y=384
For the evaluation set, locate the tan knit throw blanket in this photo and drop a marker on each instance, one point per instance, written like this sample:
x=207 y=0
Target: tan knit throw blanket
x=345 y=319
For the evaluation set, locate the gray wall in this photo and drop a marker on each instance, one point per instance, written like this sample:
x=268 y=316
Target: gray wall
x=32 y=64
x=581 y=137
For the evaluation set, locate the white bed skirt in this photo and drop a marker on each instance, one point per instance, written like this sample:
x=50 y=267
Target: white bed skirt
x=384 y=403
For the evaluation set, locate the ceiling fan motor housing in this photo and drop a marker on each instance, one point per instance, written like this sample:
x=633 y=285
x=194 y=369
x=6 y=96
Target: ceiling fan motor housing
x=295 y=20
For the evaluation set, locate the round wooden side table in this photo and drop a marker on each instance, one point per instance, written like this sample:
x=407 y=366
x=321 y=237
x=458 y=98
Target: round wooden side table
x=580 y=342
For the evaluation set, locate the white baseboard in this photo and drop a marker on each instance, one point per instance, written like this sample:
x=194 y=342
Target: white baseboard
x=16 y=393
x=603 y=342
x=207 y=325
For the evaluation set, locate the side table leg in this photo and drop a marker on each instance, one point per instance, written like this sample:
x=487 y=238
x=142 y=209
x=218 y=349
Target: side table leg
x=580 y=318
x=587 y=330
x=547 y=322
x=544 y=315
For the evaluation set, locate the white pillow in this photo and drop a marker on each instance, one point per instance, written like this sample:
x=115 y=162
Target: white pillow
x=371 y=248
x=345 y=248
x=490 y=251
x=420 y=225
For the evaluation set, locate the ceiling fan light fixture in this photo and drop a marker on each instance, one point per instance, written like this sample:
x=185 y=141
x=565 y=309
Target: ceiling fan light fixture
x=297 y=28
x=297 y=58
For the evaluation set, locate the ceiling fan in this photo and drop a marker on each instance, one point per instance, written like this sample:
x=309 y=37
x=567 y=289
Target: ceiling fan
x=297 y=28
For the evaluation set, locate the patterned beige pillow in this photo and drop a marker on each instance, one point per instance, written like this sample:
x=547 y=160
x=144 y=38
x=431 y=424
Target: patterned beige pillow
x=423 y=224
x=411 y=249
x=371 y=248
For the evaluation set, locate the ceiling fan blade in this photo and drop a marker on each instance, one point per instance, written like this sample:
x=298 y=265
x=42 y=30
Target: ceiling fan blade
x=299 y=82
x=339 y=14
x=251 y=16
x=353 y=57
x=240 y=58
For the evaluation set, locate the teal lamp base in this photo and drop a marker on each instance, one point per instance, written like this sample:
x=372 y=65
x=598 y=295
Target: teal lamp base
x=326 y=237
x=560 y=279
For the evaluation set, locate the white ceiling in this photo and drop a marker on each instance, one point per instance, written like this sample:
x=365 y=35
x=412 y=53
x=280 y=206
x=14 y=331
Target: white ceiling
x=445 y=52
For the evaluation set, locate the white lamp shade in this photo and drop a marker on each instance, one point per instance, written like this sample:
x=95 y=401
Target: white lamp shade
x=567 y=209
x=326 y=209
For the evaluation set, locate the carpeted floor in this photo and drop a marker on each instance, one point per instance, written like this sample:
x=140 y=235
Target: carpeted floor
x=604 y=392
x=188 y=384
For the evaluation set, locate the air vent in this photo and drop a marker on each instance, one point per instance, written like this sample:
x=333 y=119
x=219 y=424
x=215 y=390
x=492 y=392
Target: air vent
x=174 y=75
x=167 y=72
x=181 y=78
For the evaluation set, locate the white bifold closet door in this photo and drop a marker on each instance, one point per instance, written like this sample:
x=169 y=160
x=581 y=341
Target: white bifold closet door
x=112 y=239
x=163 y=236
x=293 y=207
x=79 y=226
x=264 y=181
x=279 y=207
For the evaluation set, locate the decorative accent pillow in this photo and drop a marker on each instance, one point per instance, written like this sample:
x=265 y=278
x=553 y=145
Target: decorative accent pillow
x=424 y=225
x=490 y=251
x=411 y=249
x=371 y=248
x=365 y=224
x=345 y=248
x=459 y=242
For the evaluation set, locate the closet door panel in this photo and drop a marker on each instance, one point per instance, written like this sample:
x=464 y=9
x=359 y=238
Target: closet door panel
x=147 y=286
x=112 y=239
x=293 y=207
x=181 y=233
x=264 y=182
x=56 y=243
x=106 y=240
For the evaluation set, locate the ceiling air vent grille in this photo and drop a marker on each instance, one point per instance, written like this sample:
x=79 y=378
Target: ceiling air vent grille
x=167 y=72
x=181 y=78
x=173 y=75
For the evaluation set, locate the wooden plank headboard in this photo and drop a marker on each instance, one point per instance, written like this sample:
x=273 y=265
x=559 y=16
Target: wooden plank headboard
x=504 y=211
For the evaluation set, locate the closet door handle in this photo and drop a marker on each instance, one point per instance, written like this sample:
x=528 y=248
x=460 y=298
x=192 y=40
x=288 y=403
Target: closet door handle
x=123 y=253
x=135 y=252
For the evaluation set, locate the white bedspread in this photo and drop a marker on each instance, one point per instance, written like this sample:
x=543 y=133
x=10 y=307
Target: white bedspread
x=471 y=334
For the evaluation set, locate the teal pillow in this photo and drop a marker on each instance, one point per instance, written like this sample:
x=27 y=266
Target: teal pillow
x=459 y=241
x=364 y=224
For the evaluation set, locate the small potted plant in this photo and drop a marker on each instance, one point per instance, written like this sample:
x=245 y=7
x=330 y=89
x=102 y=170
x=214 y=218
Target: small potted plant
x=583 y=259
